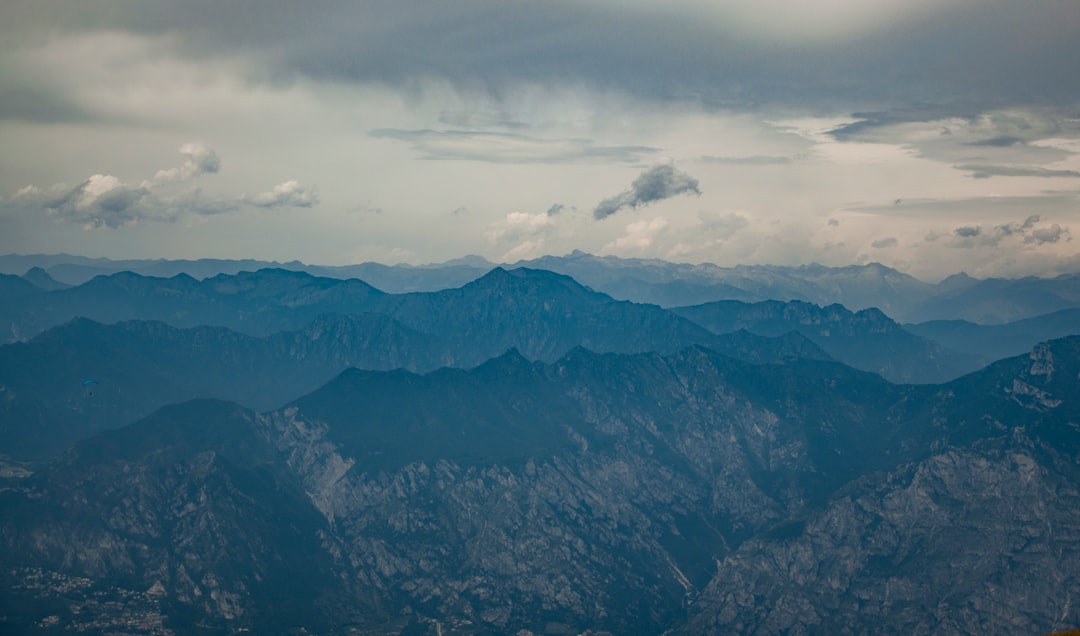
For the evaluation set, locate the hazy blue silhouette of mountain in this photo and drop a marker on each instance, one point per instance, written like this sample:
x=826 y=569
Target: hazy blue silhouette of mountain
x=998 y=300
x=541 y=313
x=658 y=282
x=677 y=284
x=999 y=341
x=13 y=288
x=635 y=494
x=257 y=303
x=40 y=278
x=84 y=376
x=867 y=339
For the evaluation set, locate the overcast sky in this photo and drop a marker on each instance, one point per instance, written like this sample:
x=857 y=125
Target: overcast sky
x=931 y=136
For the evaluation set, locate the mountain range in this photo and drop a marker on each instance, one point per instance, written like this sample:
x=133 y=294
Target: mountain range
x=626 y=493
x=901 y=296
x=275 y=451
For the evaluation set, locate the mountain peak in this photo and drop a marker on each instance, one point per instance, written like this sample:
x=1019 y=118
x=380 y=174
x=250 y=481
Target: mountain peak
x=525 y=276
x=41 y=278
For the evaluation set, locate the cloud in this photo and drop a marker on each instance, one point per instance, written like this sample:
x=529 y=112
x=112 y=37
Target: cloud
x=528 y=232
x=1051 y=234
x=365 y=208
x=1009 y=229
x=498 y=147
x=1023 y=142
x=200 y=160
x=1026 y=232
x=99 y=201
x=892 y=241
x=723 y=53
x=105 y=201
x=753 y=160
x=517 y=225
x=285 y=194
x=987 y=171
x=660 y=182
x=639 y=235
x=556 y=209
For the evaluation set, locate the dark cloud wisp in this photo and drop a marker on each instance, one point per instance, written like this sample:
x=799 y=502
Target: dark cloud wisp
x=1026 y=232
x=986 y=172
x=655 y=184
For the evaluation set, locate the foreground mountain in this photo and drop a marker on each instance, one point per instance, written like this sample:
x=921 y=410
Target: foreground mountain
x=867 y=340
x=187 y=523
x=630 y=493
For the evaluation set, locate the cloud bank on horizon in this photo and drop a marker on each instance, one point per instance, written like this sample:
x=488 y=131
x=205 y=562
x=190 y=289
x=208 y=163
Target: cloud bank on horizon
x=933 y=137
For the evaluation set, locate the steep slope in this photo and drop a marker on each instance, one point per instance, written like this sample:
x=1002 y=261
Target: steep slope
x=867 y=339
x=629 y=493
x=188 y=522
x=979 y=535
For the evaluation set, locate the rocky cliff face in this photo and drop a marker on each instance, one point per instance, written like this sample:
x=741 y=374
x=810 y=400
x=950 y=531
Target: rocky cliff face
x=634 y=494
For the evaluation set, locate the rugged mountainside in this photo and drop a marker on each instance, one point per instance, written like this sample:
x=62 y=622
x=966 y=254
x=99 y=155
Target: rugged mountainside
x=630 y=493
x=867 y=339
x=980 y=535
x=186 y=523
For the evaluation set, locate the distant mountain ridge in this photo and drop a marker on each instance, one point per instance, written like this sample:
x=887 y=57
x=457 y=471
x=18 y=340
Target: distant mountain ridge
x=133 y=367
x=899 y=295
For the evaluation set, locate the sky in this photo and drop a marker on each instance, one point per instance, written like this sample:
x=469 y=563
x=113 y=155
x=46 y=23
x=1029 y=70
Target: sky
x=931 y=136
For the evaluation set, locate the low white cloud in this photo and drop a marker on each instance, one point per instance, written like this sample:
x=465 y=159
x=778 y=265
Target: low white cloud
x=522 y=228
x=201 y=160
x=285 y=194
x=638 y=236
x=106 y=201
x=531 y=248
x=526 y=233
